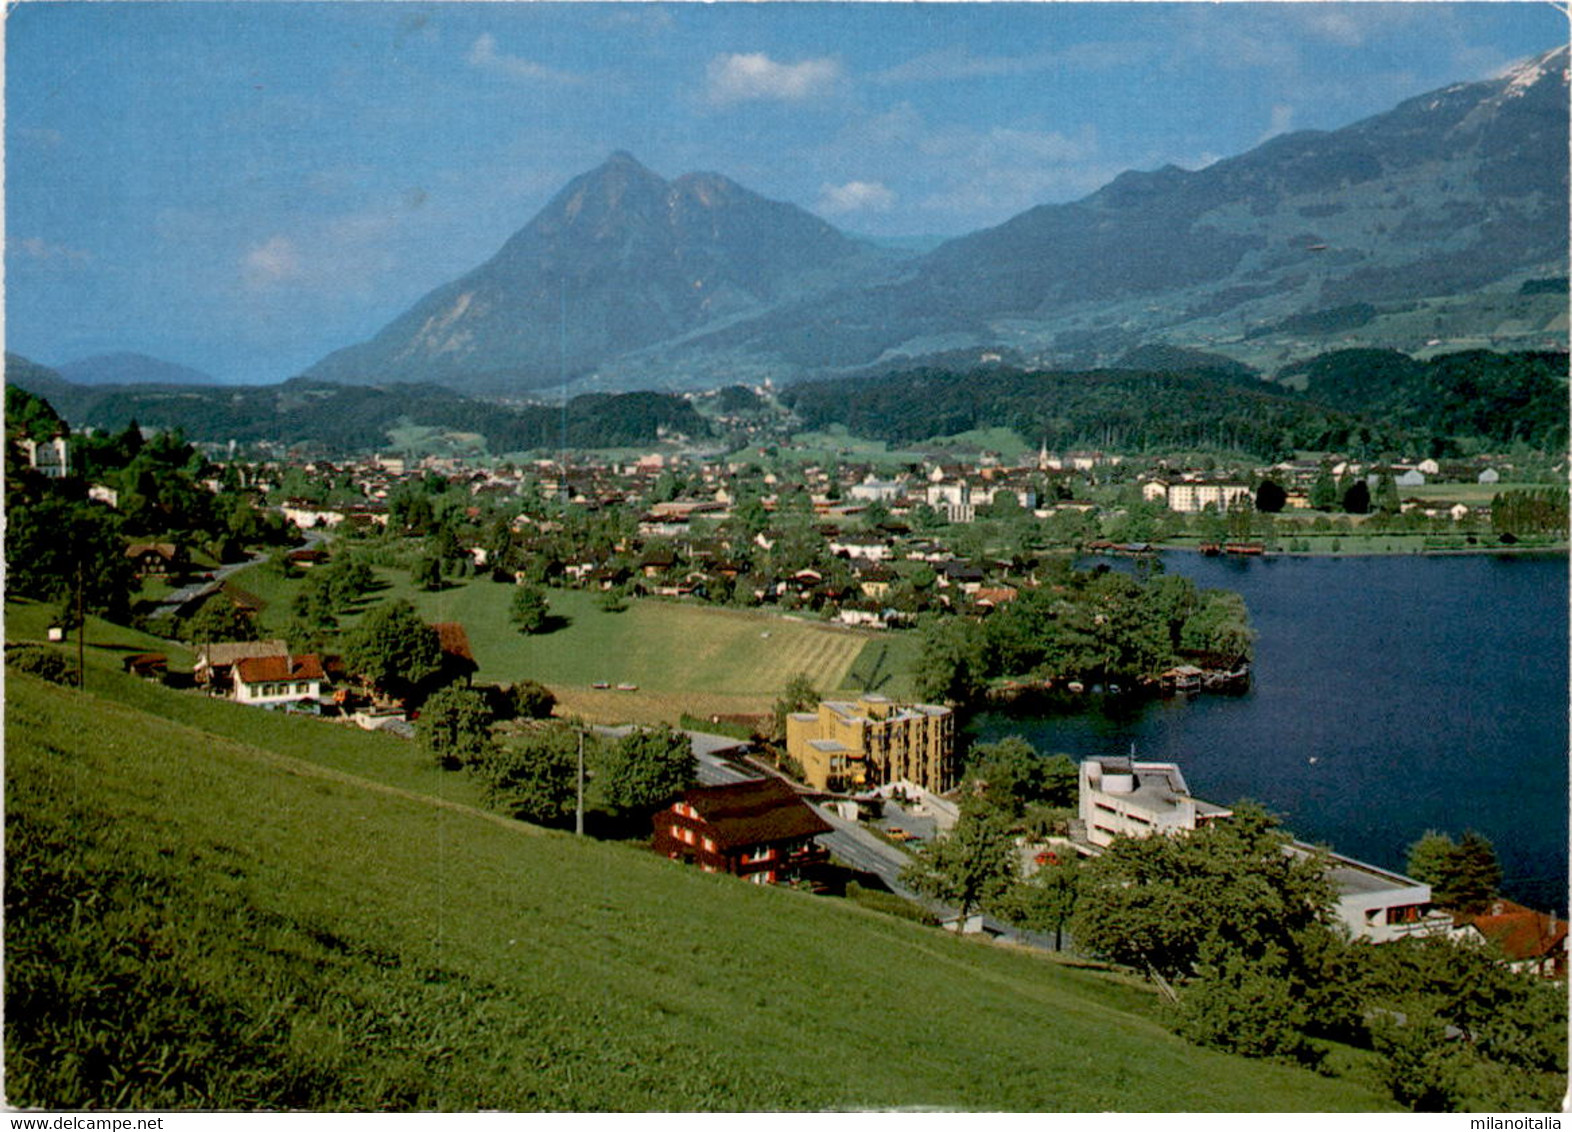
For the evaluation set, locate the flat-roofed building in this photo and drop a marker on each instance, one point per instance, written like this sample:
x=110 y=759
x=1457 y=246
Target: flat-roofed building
x=1122 y=797
x=1377 y=904
x=1191 y=496
x=870 y=741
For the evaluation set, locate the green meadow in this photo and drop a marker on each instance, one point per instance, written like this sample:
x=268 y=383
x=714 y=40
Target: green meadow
x=212 y=906
x=680 y=655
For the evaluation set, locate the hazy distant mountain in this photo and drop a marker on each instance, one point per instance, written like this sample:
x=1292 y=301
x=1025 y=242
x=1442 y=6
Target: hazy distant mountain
x=131 y=369
x=620 y=259
x=1447 y=193
x=1389 y=230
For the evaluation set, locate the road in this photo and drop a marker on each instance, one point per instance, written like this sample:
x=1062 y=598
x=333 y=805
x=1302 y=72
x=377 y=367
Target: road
x=194 y=590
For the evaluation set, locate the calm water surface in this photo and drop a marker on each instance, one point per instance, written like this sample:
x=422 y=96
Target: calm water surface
x=1391 y=696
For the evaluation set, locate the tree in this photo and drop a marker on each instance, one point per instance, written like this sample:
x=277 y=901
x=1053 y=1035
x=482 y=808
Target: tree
x=1270 y=498
x=1044 y=902
x=798 y=695
x=1005 y=775
x=218 y=620
x=1246 y=1007
x=1387 y=500
x=646 y=769
x=529 y=610
x=455 y=727
x=950 y=667
x=1323 y=493
x=1463 y=875
x=1162 y=904
x=531 y=699
x=426 y=574
x=1356 y=500
x=533 y=776
x=973 y=865
x=54 y=544
x=393 y=649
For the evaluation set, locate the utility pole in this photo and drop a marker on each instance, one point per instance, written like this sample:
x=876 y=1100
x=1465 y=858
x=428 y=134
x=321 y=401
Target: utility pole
x=81 y=628
x=578 y=813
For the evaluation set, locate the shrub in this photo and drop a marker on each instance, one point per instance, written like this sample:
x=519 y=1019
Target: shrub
x=46 y=664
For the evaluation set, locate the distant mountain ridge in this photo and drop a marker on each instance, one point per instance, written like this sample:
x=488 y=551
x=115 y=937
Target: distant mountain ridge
x=124 y=368
x=627 y=280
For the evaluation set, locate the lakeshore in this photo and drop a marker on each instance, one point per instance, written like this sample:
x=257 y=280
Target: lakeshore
x=1390 y=695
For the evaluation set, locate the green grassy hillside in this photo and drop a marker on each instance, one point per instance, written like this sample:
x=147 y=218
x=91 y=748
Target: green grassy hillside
x=203 y=913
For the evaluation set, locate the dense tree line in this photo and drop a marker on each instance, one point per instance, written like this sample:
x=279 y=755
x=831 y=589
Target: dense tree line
x=1125 y=410
x=1474 y=398
x=1534 y=511
x=358 y=417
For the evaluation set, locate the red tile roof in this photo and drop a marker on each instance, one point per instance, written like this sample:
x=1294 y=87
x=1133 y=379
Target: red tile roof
x=1519 y=932
x=264 y=669
x=752 y=813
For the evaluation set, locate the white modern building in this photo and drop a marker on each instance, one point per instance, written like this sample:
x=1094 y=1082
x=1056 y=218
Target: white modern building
x=1376 y=904
x=1124 y=798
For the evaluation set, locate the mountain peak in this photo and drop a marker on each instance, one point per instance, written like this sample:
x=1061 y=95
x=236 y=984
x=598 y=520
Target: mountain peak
x=621 y=158
x=1522 y=75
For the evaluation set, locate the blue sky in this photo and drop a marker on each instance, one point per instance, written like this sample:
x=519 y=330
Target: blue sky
x=244 y=187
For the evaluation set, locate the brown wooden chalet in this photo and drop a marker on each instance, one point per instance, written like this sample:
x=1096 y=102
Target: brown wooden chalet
x=761 y=830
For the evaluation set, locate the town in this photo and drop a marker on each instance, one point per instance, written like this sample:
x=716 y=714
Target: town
x=856 y=558
x=292 y=584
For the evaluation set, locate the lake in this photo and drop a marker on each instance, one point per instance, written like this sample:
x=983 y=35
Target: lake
x=1391 y=695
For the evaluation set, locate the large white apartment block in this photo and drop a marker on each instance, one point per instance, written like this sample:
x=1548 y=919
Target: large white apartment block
x=953 y=500
x=1192 y=496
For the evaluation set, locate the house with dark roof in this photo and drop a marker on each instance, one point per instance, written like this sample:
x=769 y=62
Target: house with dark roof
x=761 y=830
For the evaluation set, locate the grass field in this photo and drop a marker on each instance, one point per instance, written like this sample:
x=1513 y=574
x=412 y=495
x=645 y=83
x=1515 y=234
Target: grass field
x=203 y=915
x=680 y=655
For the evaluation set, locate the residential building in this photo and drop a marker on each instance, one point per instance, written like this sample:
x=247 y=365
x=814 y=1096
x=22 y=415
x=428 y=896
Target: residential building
x=1192 y=496
x=953 y=500
x=154 y=559
x=1527 y=940
x=1124 y=798
x=761 y=830
x=871 y=741
x=51 y=458
x=215 y=662
x=268 y=680
x=1377 y=904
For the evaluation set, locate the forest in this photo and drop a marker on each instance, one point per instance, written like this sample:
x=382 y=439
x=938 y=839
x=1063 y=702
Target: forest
x=1368 y=403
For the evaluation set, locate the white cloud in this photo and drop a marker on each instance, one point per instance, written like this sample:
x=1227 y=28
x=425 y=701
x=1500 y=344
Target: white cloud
x=855 y=196
x=1282 y=122
x=45 y=252
x=483 y=54
x=271 y=263
x=745 y=78
x=951 y=64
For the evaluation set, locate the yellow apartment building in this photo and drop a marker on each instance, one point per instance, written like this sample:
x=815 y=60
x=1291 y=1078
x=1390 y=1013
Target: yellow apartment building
x=848 y=745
